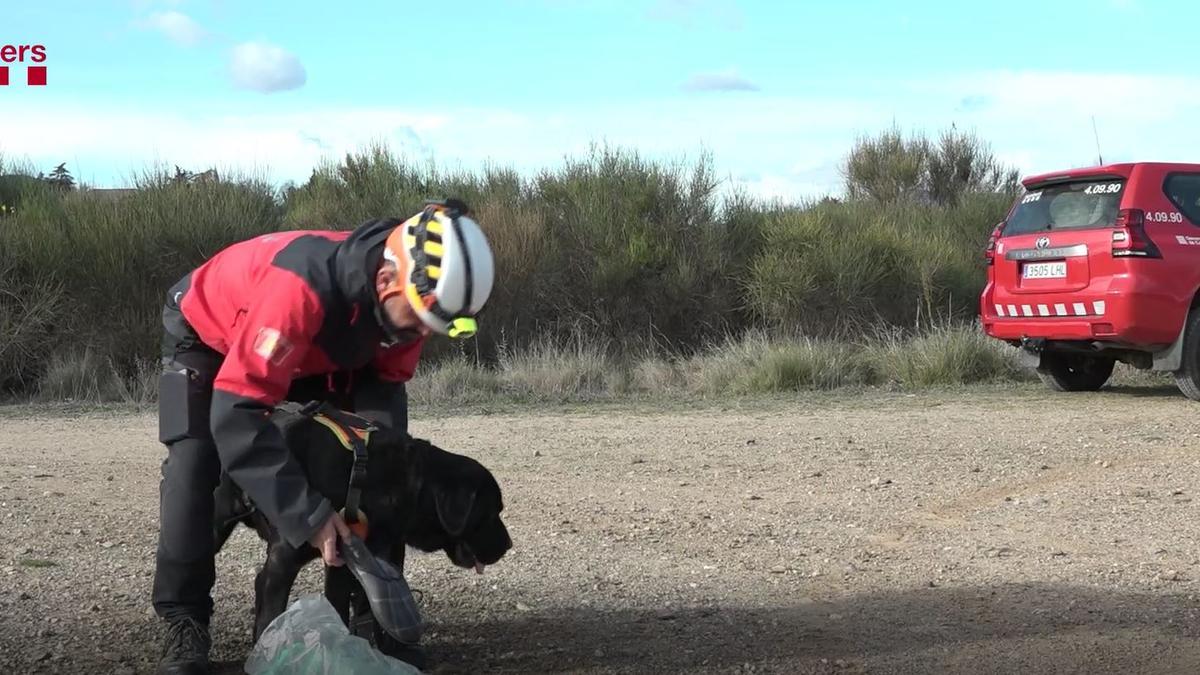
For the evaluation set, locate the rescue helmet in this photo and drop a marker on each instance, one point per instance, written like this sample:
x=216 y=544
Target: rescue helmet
x=444 y=267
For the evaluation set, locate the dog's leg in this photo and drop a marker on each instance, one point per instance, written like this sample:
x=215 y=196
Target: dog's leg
x=396 y=555
x=362 y=620
x=414 y=655
x=361 y=606
x=221 y=533
x=273 y=585
x=346 y=595
x=339 y=583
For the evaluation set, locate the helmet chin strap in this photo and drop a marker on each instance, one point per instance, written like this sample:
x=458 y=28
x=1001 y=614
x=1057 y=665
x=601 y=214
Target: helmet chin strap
x=390 y=333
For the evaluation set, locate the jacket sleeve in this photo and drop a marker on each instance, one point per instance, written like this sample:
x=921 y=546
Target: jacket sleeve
x=266 y=347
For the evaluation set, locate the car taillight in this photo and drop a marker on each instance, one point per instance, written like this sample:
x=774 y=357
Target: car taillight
x=989 y=254
x=1129 y=238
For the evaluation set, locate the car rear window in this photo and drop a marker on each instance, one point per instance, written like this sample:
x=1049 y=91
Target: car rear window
x=1184 y=192
x=1067 y=206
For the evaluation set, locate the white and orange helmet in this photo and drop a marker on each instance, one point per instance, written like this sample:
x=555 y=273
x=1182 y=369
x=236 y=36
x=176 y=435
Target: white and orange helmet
x=444 y=267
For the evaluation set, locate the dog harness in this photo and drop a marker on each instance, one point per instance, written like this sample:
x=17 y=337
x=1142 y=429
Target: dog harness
x=353 y=432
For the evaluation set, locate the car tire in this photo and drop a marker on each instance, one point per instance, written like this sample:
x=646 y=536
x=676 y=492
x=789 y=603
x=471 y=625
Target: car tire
x=1075 y=372
x=1187 y=378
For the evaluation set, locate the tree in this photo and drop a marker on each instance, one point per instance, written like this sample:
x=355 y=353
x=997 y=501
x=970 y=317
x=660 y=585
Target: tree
x=61 y=178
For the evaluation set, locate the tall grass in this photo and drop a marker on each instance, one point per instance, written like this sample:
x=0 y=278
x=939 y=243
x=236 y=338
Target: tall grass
x=754 y=364
x=87 y=377
x=647 y=259
x=946 y=355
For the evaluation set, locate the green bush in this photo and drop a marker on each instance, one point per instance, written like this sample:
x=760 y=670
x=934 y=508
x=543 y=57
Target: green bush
x=648 y=258
x=889 y=168
x=114 y=258
x=637 y=250
x=376 y=183
x=843 y=269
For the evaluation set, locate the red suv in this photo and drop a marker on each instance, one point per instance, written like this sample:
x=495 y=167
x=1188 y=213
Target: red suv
x=1098 y=265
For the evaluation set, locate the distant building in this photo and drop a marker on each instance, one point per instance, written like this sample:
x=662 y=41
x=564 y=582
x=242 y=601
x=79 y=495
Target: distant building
x=112 y=193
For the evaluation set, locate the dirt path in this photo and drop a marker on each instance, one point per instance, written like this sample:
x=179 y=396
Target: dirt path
x=974 y=531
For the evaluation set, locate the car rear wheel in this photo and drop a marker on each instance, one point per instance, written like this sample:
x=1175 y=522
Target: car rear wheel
x=1075 y=372
x=1187 y=378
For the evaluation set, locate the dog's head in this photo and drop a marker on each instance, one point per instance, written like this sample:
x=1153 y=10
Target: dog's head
x=458 y=506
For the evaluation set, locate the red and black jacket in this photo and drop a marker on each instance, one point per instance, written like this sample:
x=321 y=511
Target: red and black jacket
x=280 y=307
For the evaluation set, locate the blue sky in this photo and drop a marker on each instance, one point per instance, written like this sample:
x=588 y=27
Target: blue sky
x=775 y=92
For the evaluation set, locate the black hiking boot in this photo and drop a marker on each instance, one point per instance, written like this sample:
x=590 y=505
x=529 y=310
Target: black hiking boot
x=413 y=655
x=365 y=627
x=186 y=649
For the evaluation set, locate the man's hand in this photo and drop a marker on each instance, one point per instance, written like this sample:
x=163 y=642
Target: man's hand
x=326 y=540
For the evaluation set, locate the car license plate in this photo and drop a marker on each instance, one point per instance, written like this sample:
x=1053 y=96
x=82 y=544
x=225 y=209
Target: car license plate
x=1046 y=270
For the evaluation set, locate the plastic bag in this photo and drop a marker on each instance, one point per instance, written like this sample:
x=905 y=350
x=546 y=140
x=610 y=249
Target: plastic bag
x=309 y=637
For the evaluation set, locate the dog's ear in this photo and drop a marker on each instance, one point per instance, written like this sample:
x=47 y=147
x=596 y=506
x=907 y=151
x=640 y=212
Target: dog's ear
x=454 y=508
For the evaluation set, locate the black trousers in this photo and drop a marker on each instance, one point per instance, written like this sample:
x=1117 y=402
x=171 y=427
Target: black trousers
x=185 y=565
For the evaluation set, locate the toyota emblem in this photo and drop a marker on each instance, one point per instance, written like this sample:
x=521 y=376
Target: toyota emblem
x=1042 y=242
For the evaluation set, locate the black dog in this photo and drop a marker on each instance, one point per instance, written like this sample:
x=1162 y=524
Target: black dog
x=415 y=494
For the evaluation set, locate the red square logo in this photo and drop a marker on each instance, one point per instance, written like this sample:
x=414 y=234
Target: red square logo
x=3 y=75
x=37 y=76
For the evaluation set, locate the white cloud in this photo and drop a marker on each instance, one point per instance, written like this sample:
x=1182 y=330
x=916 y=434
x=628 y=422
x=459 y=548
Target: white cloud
x=287 y=146
x=265 y=68
x=780 y=186
x=1060 y=94
x=177 y=26
x=1045 y=118
x=726 y=80
x=283 y=146
x=786 y=146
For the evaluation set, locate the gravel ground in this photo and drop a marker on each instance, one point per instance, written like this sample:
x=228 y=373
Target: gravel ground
x=977 y=530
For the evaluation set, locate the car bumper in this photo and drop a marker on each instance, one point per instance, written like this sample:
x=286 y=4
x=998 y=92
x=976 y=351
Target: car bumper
x=1137 y=318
